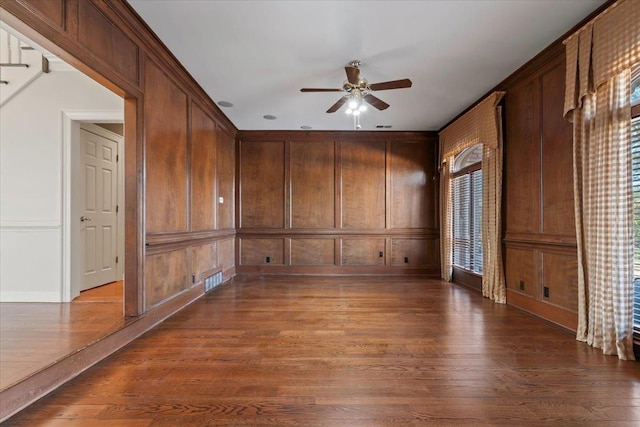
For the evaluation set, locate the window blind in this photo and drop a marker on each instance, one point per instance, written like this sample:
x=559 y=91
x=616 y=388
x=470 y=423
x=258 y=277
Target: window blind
x=635 y=153
x=462 y=221
x=476 y=207
x=467 y=221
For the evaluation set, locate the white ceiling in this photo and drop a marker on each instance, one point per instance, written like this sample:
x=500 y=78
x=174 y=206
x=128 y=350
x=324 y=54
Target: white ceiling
x=258 y=54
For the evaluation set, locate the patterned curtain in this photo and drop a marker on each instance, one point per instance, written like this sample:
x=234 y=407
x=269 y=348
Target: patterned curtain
x=446 y=219
x=493 y=281
x=481 y=124
x=599 y=59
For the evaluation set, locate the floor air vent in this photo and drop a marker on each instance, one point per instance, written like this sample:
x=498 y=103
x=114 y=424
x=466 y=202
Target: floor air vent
x=212 y=281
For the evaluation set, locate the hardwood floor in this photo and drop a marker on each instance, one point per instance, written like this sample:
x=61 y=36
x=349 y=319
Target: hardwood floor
x=35 y=335
x=338 y=351
x=111 y=292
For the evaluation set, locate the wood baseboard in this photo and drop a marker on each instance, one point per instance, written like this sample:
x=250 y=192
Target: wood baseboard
x=562 y=317
x=23 y=394
x=468 y=279
x=342 y=270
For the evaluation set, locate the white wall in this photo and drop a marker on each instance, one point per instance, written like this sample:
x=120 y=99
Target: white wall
x=31 y=168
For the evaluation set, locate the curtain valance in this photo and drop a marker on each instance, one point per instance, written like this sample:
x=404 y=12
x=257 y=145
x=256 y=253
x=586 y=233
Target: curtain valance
x=601 y=50
x=478 y=125
x=482 y=124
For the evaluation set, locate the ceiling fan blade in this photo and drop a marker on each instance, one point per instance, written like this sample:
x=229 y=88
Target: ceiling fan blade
x=376 y=102
x=353 y=75
x=309 y=89
x=335 y=107
x=394 y=84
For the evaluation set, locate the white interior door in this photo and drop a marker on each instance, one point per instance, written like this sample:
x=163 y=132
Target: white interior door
x=98 y=220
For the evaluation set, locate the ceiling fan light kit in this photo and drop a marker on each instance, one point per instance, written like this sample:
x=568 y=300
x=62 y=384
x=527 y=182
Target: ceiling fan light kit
x=358 y=93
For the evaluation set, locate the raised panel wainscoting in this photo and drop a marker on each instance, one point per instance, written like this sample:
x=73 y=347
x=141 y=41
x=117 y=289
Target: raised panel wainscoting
x=337 y=203
x=540 y=245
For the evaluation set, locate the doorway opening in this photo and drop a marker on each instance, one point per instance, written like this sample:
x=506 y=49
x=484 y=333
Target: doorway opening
x=94 y=209
x=39 y=323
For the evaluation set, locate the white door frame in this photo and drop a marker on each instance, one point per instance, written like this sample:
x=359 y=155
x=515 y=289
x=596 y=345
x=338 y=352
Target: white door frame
x=71 y=120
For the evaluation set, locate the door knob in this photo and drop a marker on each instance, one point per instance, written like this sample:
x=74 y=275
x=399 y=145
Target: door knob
x=84 y=218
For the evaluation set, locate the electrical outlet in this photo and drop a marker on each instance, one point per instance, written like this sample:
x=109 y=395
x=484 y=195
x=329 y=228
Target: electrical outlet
x=522 y=285
x=267 y=259
x=545 y=291
x=406 y=260
x=381 y=254
x=193 y=278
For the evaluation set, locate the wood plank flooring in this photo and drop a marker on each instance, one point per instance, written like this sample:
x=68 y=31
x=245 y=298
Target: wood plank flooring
x=338 y=351
x=35 y=335
x=111 y=292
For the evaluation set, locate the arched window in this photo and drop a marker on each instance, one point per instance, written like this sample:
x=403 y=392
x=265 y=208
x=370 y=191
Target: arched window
x=467 y=210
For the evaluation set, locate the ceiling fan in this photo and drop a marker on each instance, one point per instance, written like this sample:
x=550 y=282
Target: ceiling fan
x=358 y=91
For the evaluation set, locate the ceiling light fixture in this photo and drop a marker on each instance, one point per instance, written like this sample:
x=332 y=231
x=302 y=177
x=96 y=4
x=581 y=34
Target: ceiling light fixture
x=358 y=92
x=355 y=106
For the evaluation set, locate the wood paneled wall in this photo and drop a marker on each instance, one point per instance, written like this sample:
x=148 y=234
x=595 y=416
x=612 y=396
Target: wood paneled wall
x=539 y=224
x=180 y=149
x=337 y=203
x=540 y=253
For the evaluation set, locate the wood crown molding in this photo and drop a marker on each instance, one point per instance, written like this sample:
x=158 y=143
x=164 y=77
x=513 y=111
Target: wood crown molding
x=534 y=64
x=158 y=51
x=296 y=135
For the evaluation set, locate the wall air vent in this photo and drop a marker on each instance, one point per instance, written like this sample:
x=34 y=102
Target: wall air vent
x=212 y=281
x=383 y=126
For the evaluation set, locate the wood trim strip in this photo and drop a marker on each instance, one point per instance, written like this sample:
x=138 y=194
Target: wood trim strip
x=429 y=137
x=537 y=184
x=188 y=189
x=388 y=194
x=337 y=151
x=540 y=239
x=562 y=317
x=160 y=238
x=287 y=205
x=238 y=185
x=337 y=270
x=286 y=246
x=172 y=245
x=405 y=233
x=23 y=394
x=134 y=178
x=216 y=174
